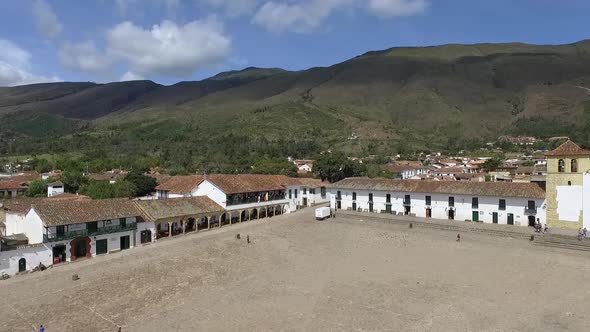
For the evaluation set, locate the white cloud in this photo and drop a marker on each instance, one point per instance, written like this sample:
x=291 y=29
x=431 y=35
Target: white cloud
x=299 y=17
x=169 y=49
x=391 y=8
x=45 y=19
x=307 y=15
x=123 y=7
x=234 y=8
x=84 y=57
x=15 y=66
x=131 y=76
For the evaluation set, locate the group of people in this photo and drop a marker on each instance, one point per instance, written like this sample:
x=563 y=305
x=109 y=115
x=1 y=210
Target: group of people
x=539 y=227
x=582 y=233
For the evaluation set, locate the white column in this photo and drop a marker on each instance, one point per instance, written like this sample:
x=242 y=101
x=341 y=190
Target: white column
x=169 y=229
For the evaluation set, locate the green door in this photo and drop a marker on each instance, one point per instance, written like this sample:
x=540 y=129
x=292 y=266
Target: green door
x=510 y=220
x=124 y=242
x=475 y=216
x=101 y=247
x=495 y=217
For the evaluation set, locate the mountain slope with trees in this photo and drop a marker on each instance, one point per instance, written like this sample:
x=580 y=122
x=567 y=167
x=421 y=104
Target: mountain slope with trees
x=445 y=97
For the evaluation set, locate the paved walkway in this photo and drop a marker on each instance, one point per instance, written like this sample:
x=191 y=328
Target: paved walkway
x=469 y=226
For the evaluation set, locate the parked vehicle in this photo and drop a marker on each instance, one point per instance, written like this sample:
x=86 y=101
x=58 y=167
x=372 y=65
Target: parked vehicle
x=322 y=213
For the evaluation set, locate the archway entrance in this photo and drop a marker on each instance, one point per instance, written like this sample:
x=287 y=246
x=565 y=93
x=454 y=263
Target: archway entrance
x=22 y=265
x=80 y=248
x=254 y=214
x=532 y=221
x=278 y=210
x=190 y=225
x=244 y=216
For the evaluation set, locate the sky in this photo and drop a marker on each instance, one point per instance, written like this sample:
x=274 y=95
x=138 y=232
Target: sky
x=178 y=40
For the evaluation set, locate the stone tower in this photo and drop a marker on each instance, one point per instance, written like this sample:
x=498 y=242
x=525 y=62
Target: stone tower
x=566 y=168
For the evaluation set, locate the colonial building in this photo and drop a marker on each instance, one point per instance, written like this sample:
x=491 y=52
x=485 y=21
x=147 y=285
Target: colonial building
x=568 y=186
x=249 y=195
x=76 y=229
x=490 y=202
x=179 y=186
x=12 y=188
x=175 y=216
x=302 y=192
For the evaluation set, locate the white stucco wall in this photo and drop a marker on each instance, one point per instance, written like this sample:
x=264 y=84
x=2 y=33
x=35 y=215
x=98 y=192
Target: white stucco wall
x=142 y=226
x=208 y=189
x=29 y=224
x=569 y=203
x=586 y=200
x=9 y=260
x=440 y=205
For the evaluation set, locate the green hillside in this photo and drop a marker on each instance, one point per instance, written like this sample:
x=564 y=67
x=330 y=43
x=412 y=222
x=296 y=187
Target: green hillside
x=440 y=97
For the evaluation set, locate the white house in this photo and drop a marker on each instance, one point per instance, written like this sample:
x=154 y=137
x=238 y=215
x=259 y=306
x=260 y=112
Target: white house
x=249 y=195
x=405 y=172
x=55 y=188
x=82 y=228
x=179 y=186
x=489 y=202
x=303 y=192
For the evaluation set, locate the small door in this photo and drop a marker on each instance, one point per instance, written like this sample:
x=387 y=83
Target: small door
x=125 y=242
x=338 y=205
x=304 y=201
x=428 y=213
x=451 y=214
x=146 y=236
x=388 y=208
x=495 y=217
x=22 y=265
x=510 y=220
x=370 y=207
x=475 y=216
x=101 y=247
x=354 y=206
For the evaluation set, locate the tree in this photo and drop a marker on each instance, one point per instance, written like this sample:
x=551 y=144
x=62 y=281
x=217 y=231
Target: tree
x=336 y=166
x=37 y=188
x=276 y=166
x=144 y=184
x=491 y=164
x=73 y=180
x=105 y=189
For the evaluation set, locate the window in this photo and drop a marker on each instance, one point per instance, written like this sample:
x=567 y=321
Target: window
x=290 y=193
x=312 y=191
x=354 y=196
x=123 y=222
x=574 y=168
x=296 y=192
x=323 y=192
x=407 y=199
x=569 y=183
x=338 y=195
x=304 y=191
x=474 y=203
x=561 y=166
x=370 y=197
x=60 y=230
x=428 y=200
x=502 y=205
x=451 y=201
x=388 y=198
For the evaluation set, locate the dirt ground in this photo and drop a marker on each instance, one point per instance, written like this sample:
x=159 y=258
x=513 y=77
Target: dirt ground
x=302 y=275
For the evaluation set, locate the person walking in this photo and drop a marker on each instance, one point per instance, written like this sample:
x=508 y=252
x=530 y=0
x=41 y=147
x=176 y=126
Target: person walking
x=41 y=329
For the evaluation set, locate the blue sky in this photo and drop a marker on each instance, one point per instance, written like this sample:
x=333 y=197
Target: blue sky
x=174 y=40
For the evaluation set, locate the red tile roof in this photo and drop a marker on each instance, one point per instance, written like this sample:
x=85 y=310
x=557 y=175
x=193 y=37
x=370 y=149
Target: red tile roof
x=246 y=183
x=68 y=212
x=497 y=189
x=13 y=184
x=181 y=185
x=568 y=148
x=153 y=210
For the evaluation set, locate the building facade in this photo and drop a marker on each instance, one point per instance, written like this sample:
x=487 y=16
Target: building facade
x=568 y=186
x=489 y=202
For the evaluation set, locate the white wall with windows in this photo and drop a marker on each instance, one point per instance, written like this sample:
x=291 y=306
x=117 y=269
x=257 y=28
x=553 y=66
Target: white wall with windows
x=487 y=209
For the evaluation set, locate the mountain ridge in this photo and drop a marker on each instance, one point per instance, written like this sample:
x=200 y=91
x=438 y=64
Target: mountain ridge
x=391 y=100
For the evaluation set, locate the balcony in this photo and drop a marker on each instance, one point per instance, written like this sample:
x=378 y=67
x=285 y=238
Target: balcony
x=530 y=211
x=85 y=232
